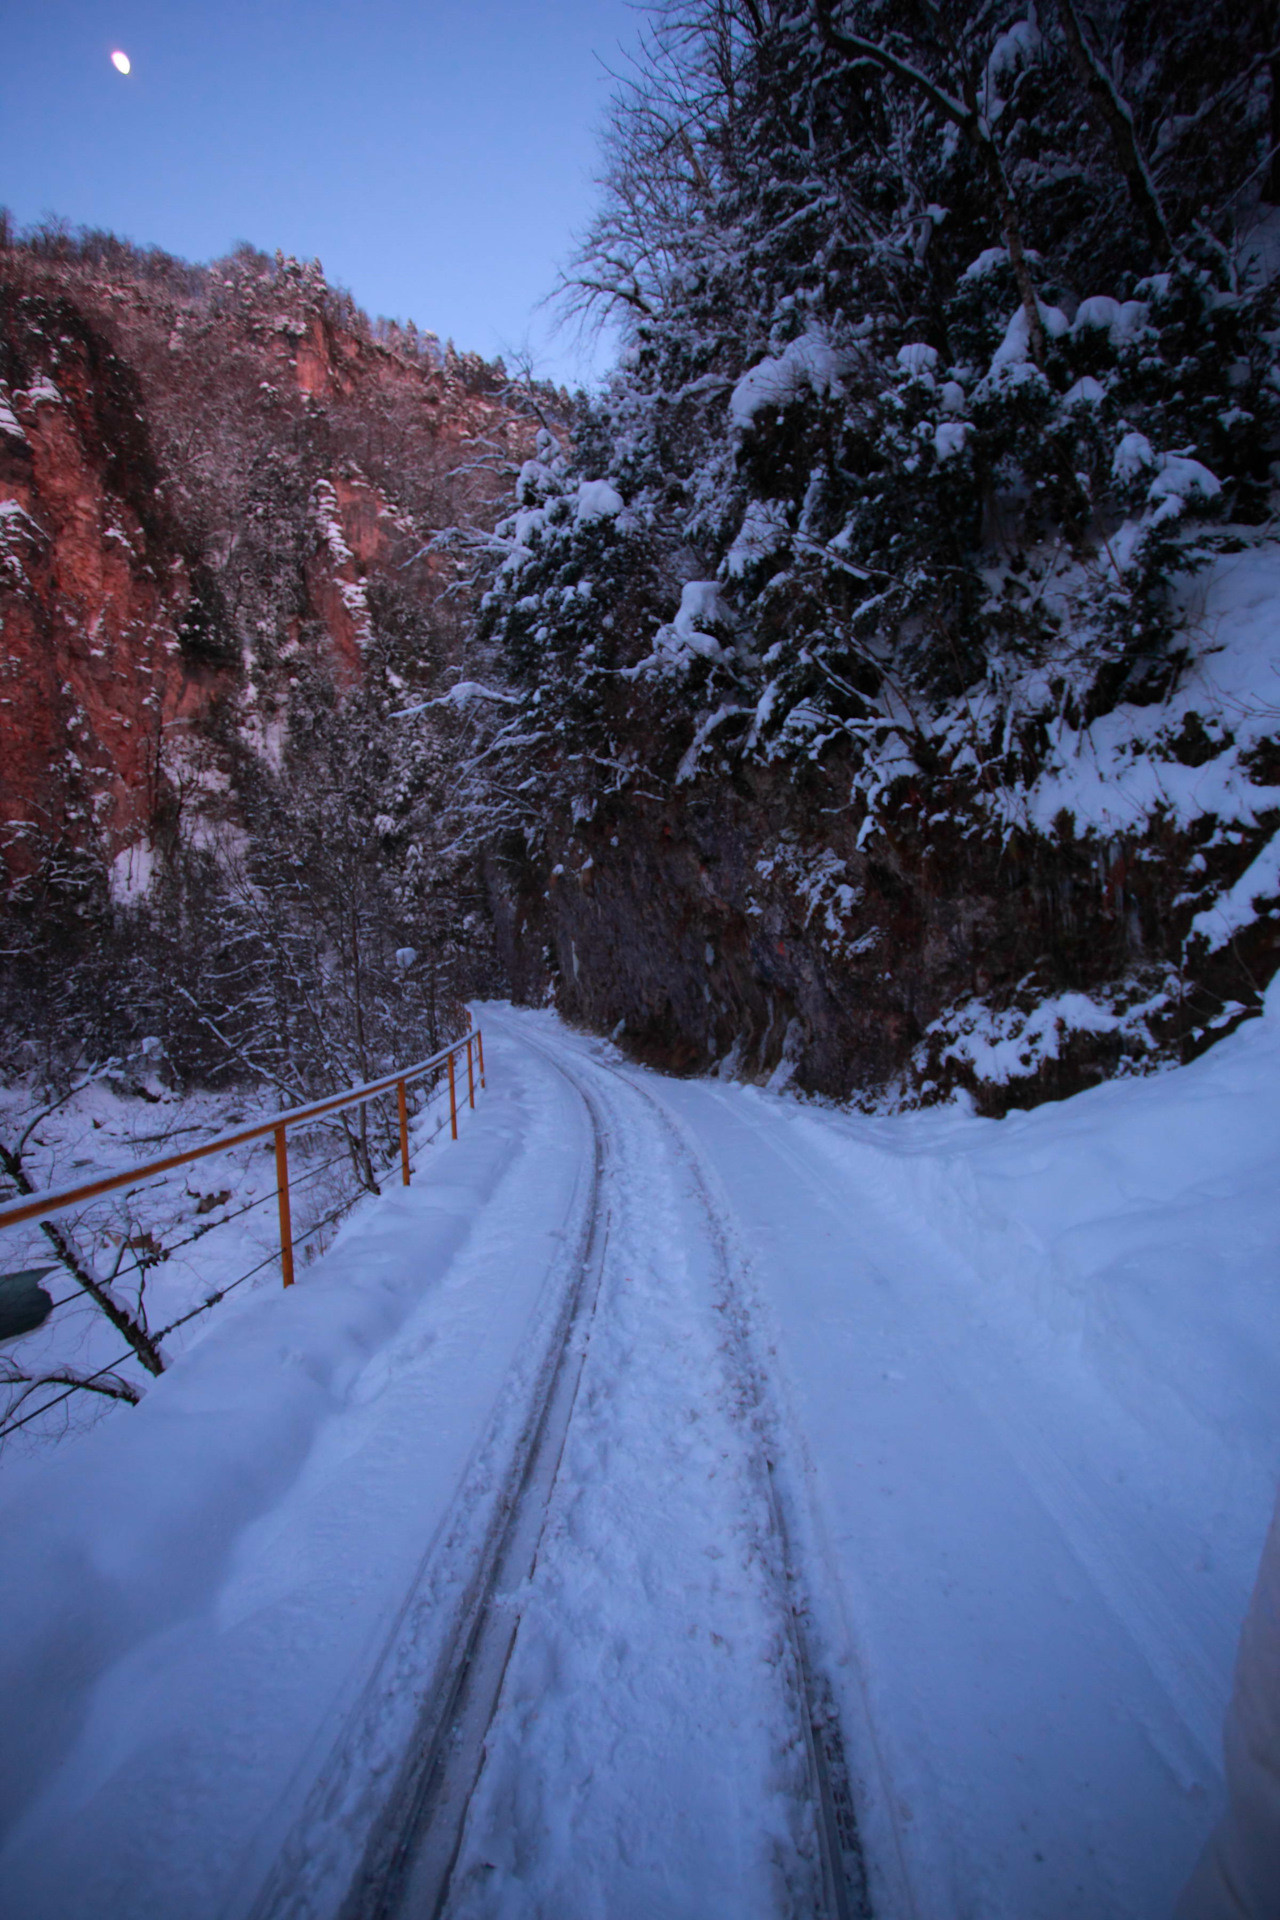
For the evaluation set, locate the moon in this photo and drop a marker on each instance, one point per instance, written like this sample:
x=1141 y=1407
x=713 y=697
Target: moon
x=121 y=62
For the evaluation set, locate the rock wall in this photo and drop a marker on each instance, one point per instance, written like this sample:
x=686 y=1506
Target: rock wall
x=741 y=929
x=94 y=583
x=203 y=474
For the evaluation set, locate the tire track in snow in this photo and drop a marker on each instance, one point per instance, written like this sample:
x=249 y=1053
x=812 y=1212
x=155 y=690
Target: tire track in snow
x=844 y=1866
x=832 y=1883
x=410 y=1859
x=346 y=1848
x=1166 y=1620
x=1083 y=1681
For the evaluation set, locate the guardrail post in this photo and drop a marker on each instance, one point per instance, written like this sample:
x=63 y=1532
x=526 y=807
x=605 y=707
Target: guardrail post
x=282 y=1195
x=37 y=1206
x=403 y=1104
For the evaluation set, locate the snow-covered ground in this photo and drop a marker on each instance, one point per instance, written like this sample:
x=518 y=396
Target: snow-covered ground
x=1012 y=1385
x=168 y=1246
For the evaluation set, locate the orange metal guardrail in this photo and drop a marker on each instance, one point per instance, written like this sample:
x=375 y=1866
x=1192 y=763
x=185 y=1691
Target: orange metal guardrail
x=42 y=1206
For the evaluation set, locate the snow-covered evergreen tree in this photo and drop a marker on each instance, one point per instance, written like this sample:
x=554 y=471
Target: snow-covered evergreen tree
x=839 y=405
x=949 y=346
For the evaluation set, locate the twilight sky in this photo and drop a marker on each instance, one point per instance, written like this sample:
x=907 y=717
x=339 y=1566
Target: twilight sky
x=437 y=155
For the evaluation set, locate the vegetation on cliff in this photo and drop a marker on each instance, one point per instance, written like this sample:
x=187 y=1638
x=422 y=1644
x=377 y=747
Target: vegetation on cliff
x=871 y=686
x=221 y=490
x=887 y=565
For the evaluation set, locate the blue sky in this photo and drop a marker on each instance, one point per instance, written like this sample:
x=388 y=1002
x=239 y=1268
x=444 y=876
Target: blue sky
x=437 y=157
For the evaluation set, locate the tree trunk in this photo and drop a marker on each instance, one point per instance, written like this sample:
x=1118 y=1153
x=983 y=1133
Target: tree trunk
x=1115 y=116
x=973 y=125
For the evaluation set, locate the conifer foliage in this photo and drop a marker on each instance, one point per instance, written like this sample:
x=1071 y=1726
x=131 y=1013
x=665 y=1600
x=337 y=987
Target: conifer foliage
x=949 y=358
x=942 y=354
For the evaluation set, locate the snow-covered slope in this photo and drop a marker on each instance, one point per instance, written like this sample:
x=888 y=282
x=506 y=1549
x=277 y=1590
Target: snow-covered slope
x=1033 y=1365
x=1016 y=1380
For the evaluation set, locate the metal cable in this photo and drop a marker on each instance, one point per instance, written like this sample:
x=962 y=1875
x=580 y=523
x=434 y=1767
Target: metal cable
x=214 y=1299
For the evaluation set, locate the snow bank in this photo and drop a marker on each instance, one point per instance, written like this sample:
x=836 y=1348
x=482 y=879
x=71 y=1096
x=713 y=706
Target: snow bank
x=1140 y=1216
x=1033 y=1365
x=129 y=1528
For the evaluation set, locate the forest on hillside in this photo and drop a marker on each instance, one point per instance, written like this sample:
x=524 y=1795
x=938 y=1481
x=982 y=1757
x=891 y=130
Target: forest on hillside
x=862 y=632
x=862 y=689
x=220 y=585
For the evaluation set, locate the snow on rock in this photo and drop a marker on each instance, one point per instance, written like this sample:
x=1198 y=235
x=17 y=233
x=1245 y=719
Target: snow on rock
x=9 y=422
x=1014 y=1044
x=132 y=872
x=328 y=521
x=42 y=393
x=792 y=1047
x=1256 y=891
x=19 y=519
x=810 y=361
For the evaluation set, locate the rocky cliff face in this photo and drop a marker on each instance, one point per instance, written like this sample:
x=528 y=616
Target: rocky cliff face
x=204 y=476
x=95 y=581
x=741 y=928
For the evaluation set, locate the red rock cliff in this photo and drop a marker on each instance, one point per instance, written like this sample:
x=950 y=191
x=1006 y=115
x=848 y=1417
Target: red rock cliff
x=205 y=476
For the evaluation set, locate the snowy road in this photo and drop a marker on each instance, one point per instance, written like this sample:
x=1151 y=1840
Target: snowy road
x=1030 y=1664
x=859 y=1460
x=661 y=1744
